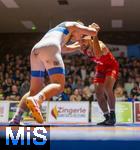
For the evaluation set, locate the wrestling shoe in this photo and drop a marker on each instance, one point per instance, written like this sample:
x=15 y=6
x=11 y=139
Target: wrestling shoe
x=15 y=122
x=34 y=108
x=104 y=123
x=110 y=120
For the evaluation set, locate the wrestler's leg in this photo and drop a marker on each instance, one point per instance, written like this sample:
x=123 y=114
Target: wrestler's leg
x=36 y=84
x=109 y=84
x=54 y=65
x=100 y=95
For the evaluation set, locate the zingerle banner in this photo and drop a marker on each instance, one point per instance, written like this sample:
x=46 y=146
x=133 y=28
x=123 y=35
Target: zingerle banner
x=68 y=112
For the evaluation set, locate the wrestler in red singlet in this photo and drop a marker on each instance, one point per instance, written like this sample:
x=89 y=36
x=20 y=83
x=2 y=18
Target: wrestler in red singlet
x=106 y=74
x=106 y=65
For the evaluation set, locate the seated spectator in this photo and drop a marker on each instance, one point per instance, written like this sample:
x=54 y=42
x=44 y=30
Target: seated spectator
x=13 y=95
x=128 y=86
x=24 y=87
x=119 y=93
x=83 y=72
x=1 y=78
x=79 y=83
x=1 y=94
x=135 y=92
x=7 y=84
x=87 y=94
x=66 y=94
x=76 y=96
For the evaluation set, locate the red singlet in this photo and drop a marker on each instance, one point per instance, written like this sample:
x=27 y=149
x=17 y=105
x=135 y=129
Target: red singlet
x=107 y=65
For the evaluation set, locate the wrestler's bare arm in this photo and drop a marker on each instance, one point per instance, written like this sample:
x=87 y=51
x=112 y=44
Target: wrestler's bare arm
x=71 y=48
x=83 y=30
x=97 y=47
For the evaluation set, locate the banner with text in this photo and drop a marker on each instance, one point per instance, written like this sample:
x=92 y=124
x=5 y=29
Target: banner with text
x=137 y=112
x=4 y=111
x=12 y=108
x=68 y=112
x=96 y=113
x=124 y=112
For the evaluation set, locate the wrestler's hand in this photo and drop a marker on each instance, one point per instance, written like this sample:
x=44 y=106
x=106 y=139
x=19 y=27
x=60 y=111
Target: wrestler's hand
x=95 y=26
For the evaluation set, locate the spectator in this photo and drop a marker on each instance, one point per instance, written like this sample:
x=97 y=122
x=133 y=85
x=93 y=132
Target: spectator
x=24 y=87
x=65 y=96
x=76 y=96
x=13 y=95
x=87 y=94
x=7 y=84
x=83 y=72
x=119 y=93
x=1 y=94
x=135 y=92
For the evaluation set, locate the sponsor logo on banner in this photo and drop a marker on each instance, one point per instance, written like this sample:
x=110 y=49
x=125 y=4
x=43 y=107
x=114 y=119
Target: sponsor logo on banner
x=137 y=112
x=124 y=112
x=54 y=112
x=12 y=108
x=68 y=112
x=118 y=50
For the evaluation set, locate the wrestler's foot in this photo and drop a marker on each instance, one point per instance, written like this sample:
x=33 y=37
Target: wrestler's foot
x=15 y=122
x=34 y=108
x=103 y=123
x=110 y=120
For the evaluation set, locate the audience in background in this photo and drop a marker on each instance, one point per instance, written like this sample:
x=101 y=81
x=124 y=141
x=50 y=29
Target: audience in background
x=15 y=75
